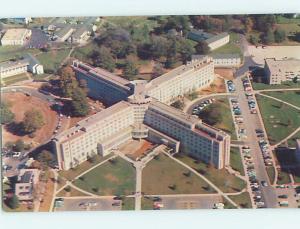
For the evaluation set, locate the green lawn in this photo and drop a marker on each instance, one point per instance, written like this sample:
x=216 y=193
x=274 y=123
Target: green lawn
x=292 y=97
x=292 y=141
x=128 y=203
x=163 y=175
x=243 y=200
x=220 y=177
x=72 y=173
x=14 y=79
x=16 y=51
x=283 y=178
x=286 y=84
x=147 y=203
x=271 y=173
x=83 y=52
x=284 y=20
x=51 y=60
x=231 y=47
x=280 y=119
x=236 y=160
x=225 y=121
x=227 y=204
x=111 y=178
x=71 y=192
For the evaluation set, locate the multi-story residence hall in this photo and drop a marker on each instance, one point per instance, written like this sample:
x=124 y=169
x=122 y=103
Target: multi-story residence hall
x=278 y=71
x=140 y=109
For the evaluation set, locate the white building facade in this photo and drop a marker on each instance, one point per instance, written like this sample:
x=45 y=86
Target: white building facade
x=15 y=37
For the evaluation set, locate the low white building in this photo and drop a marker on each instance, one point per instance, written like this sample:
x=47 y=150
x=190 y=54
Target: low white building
x=27 y=180
x=223 y=60
x=15 y=37
x=34 y=65
x=218 y=41
x=63 y=34
x=81 y=35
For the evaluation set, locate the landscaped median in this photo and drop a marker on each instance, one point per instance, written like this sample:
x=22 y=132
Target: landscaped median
x=236 y=162
x=280 y=120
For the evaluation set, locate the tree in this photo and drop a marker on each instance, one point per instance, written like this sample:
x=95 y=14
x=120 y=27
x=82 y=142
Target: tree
x=268 y=37
x=170 y=62
x=295 y=79
x=130 y=69
x=279 y=35
x=157 y=70
x=67 y=81
x=19 y=145
x=178 y=104
x=33 y=120
x=253 y=40
x=13 y=202
x=248 y=24
x=212 y=114
x=79 y=104
x=45 y=157
x=103 y=58
x=6 y=115
x=202 y=48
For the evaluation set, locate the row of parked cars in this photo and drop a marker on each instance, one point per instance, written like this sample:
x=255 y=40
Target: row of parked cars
x=254 y=185
x=264 y=147
x=201 y=106
x=238 y=119
x=249 y=95
x=230 y=86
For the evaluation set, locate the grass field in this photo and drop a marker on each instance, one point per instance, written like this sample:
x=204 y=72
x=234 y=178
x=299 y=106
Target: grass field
x=231 y=47
x=11 y=52
x=271 y=173
x=283 y=178
x=292 y=97
x=286 y=84
x=51 y=60
x=227 y=204
x=220 y=177
x=236 y=160
x=72 y=192
x=280 y=120
x=72 y=173
x=292 y=141
x=128 y=203
x=226 y=122
x=111 y=178
x=165 y=176
x=243 y=200
x=147 y=203
x=15 y=79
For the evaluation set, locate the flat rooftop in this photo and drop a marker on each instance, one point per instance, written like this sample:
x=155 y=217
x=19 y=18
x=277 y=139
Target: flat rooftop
x=283 y=66
x=15 y=34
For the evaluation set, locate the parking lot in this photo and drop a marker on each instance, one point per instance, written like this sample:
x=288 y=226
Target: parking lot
x=89 y=204
x=288 y=195
x=190 y=202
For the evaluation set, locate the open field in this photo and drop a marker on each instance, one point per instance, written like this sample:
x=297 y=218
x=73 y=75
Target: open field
x=225 y=121
x=112 y=178
x=17 y=101
x=226 y=73
x=236 y=160
x=283 y=85
x=52 y=59
x=243 y=200
x=292 y=97
x=15 y=79
x=72 y=173
x=165 y=176
x=279 y=119
x=11 y=52
x=220 y=177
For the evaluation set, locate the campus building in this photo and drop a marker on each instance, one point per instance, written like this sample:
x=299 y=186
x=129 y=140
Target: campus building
x=223 y=60
x=15 y=37
x=139 y=110
x=278 y=71
x=27 y=180
x=213 y=41
x=28 y=64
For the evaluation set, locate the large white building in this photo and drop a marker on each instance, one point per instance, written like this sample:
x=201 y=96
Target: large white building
x=140 y=110
x=230 y=60
x=28 y=64
x=278 y=71
x=15 y=37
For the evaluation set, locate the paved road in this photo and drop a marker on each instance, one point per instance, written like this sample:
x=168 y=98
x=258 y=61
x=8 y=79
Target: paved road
x=253 y=122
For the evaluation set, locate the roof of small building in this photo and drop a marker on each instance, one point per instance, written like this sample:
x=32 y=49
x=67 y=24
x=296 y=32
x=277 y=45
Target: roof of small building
x=15 y=34
x=216 y=37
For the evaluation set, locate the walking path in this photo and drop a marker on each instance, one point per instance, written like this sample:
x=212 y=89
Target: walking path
x=205 y=179
x=286 y=138
x=279 y=100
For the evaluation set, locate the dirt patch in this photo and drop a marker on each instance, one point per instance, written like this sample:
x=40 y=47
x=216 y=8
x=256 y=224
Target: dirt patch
x=48 y=195
x=21 y=103
x=134 y=148
x=217 y=86
x=111 y=178
x=225 y=73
